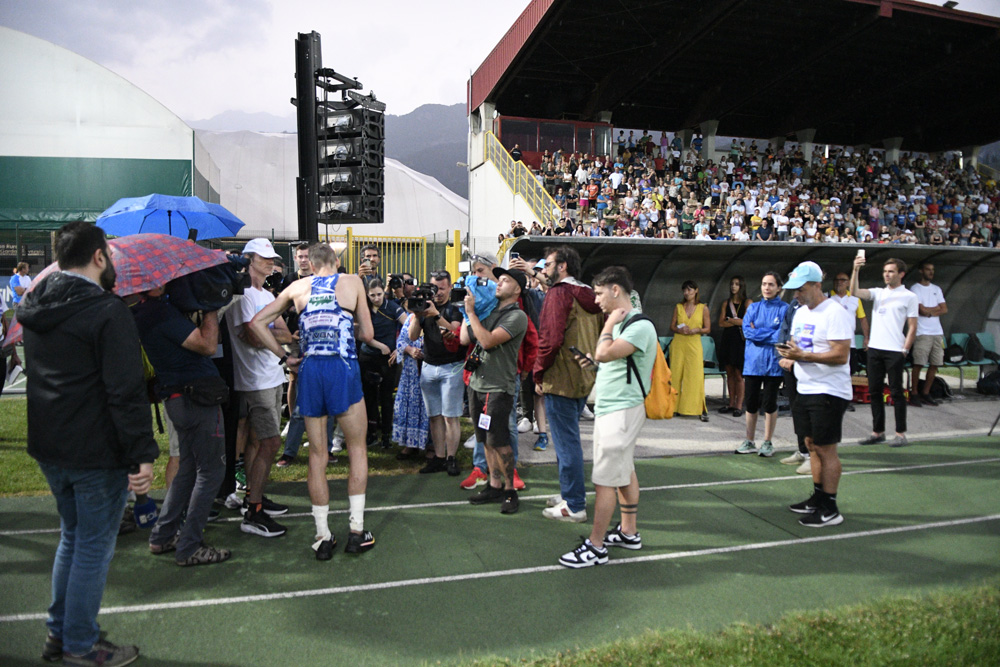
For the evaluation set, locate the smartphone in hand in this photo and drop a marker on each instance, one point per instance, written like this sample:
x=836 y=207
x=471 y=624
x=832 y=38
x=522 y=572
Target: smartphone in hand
x=579 y=354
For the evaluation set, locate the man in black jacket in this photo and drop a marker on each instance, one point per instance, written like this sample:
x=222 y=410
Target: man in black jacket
x=88 y=426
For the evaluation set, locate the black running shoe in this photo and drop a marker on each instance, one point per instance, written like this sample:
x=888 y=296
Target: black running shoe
x=822 y=518
x=325 y=549
x=488 y=494
x=436 y=464
x=358 y=543
x=260 y=523
x=806 y=506
x=269 y=506
x=510 y=503
x=453 y=469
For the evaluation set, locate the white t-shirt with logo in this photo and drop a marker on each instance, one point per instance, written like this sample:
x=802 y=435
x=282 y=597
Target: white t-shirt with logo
x=890 y=310
x=812 y=331
x=253 y=369
x=928 y=297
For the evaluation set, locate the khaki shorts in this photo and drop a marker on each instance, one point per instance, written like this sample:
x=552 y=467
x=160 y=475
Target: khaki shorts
x=172 y=439
x=264 y=411
x=614 y=443
x=928 y=349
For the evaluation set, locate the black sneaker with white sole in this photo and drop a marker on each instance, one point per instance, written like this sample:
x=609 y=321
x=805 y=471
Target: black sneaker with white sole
x=822 y=518
x=616 y=538
x=260 y=523
x=585 y=555
x=488 y=494
x=510 y=503
x=806 y=506
x=270 y=507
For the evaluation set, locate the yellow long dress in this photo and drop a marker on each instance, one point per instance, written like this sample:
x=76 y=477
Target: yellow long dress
x=687 y=366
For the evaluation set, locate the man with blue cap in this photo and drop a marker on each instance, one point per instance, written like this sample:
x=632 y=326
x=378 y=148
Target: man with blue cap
x=818 y=352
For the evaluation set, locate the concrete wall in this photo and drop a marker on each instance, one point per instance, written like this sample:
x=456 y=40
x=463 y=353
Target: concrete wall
x=492 y=205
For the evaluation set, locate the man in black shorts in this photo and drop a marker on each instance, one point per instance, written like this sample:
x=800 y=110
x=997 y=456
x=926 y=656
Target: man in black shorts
x=819 y=351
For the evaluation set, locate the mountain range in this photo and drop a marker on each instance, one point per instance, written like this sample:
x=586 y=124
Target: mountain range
x=431 y=139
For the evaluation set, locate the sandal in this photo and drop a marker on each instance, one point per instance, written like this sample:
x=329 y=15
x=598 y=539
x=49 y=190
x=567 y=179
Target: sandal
x=206 y=555
x=170 y=545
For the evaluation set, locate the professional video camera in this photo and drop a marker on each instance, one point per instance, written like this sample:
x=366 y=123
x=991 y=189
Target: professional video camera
x=458 y=292
x=212 y=288
x=421 y=298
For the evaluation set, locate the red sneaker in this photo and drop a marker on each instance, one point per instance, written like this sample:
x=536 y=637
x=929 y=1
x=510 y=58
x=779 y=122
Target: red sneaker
x=476 y=478
x=518 y=484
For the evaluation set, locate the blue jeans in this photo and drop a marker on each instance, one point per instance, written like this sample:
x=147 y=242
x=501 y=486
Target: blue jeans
x=297 y=427
x=90 y=503
x=563 y=416
x=479 y=452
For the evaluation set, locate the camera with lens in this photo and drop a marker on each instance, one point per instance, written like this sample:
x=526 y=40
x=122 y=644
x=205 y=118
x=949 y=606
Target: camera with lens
x=212 y=288
x=421 y=298
x=395 y=281
x=475 y=359
x=458 y=293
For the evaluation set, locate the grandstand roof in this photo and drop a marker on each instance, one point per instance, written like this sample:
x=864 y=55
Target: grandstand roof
x=858 y=71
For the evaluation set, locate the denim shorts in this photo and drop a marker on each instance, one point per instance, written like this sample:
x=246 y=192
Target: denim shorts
x=443 y=389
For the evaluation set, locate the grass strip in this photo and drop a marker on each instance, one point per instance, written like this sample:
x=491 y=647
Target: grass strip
x=954 y=627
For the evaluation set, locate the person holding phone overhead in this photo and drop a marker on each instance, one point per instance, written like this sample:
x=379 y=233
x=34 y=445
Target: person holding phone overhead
x=689 y=322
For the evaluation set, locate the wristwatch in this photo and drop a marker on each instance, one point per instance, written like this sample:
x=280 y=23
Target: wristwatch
x=283 y=359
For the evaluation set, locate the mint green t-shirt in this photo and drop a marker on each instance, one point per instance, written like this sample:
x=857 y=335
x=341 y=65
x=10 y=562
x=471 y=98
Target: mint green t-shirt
x=613 y=392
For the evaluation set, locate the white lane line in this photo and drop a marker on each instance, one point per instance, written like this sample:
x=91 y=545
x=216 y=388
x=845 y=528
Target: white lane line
x=424 y=581
x=645 y=489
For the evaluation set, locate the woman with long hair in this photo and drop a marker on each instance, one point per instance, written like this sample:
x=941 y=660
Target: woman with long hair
x=731 y=344
x=761 y=373
x=689 y=322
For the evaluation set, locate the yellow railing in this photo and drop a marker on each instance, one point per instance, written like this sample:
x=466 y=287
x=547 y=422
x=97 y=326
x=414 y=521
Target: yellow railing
x=399 y=254
x=521 y=181
x=988 y=171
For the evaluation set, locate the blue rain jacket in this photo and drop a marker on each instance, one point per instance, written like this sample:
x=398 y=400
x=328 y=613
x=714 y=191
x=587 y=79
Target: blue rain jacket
x=760 y=357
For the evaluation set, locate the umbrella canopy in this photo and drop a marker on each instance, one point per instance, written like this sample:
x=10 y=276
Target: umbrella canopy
x=142 y=262
x=174 y=216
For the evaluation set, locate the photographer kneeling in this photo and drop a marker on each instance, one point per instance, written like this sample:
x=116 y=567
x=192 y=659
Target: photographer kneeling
x=378 y=377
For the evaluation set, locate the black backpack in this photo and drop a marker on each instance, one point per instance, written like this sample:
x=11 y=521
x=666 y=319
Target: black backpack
x=940 y=389
x=974 y=350
x=954 y=354
x=989 y=384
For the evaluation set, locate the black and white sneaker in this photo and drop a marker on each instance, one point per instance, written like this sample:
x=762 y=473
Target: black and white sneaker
x=822 y=518
x=510 y=503
x=358 y=543
x=259 y=523
x=269 y=506
x=488 y=494
x=806 y=506
x=616 y=538
x=585 y=555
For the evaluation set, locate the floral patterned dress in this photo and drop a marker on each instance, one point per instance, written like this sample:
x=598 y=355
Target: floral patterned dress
x=409 y=420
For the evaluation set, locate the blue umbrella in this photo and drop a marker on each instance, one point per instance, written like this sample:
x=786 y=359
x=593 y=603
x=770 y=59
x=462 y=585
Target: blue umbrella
x=164 y=214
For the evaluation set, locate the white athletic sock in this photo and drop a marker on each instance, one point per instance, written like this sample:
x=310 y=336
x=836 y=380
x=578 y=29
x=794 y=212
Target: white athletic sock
x=357 y=516
x=320 y=516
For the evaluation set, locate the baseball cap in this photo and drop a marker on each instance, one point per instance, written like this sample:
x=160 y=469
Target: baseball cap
x=516 y=274
x=806 y=272
x=261 y=247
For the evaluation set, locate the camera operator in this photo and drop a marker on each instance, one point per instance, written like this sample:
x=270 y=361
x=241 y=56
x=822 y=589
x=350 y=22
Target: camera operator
x=400 y=287
x=378 y=378
x=493 y=364
x=181 y=354
x=370 y=260
x=441 y=376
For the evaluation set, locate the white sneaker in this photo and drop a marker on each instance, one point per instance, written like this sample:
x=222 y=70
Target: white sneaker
x=534 y=428
x=233 y=501
x=14 y=374
x=284 y=431
x=471 y=442
x=587 y=414
x=524 y=425
x=805 y=468
x=553 y=500
x=561 y=512
x=796 y=458
x=337 y=445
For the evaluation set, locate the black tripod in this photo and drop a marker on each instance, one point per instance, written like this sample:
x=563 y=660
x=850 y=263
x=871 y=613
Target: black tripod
x=994 y=426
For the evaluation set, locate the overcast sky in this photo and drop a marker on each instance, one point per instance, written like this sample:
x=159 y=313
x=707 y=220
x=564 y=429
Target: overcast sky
x=202 y=57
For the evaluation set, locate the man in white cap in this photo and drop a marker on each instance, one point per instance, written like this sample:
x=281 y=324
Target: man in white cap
x=818 y=352
x=258 y=377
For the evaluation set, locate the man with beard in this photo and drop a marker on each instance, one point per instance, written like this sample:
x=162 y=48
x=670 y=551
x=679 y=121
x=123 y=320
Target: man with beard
x=89 y=429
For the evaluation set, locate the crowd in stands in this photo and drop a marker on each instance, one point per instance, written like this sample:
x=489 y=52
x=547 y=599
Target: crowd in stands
x=655 y=190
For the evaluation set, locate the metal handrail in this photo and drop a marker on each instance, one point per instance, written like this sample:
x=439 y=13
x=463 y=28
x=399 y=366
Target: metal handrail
x=521 y=181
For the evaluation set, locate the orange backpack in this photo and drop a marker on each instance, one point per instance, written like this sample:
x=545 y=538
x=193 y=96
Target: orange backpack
x=661 y=399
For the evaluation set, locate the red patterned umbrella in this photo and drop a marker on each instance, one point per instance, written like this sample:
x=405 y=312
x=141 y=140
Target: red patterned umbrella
x=142 y=262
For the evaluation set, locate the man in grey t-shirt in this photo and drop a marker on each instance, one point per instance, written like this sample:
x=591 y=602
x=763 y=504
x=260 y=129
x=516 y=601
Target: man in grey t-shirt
x=491 y=387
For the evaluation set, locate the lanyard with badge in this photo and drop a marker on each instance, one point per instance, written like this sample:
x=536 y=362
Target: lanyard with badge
x=485 y=419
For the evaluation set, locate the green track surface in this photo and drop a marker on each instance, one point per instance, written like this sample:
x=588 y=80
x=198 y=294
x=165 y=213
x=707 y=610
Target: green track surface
x=545 y=608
